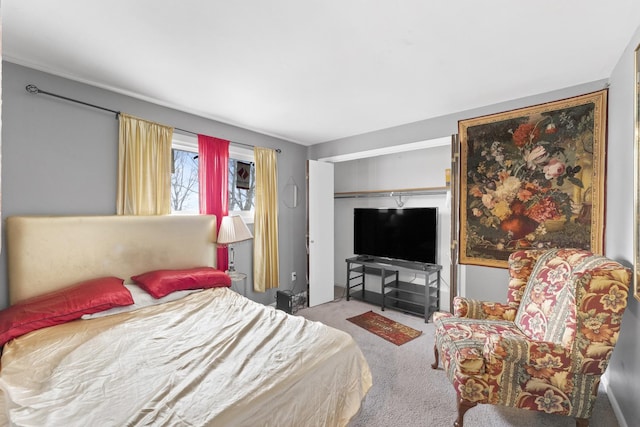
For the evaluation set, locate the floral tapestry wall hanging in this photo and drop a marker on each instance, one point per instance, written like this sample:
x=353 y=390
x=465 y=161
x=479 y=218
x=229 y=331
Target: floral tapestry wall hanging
x=533 y=178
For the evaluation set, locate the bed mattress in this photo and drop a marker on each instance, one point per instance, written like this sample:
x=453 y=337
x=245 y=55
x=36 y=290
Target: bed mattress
x=212 y=358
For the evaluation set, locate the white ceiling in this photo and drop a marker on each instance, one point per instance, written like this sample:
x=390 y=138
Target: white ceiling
x=317 y=70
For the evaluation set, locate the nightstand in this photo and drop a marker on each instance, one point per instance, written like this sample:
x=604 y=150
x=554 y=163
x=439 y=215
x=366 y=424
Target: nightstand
x=236 y=278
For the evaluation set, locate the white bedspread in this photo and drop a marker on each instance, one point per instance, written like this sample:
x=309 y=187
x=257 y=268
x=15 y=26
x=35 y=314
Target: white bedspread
x=213 y=358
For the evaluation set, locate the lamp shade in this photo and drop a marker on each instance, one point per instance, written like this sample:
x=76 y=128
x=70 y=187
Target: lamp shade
x=232 y=230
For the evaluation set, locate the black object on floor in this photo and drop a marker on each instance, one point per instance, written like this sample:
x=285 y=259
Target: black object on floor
x=284 y=301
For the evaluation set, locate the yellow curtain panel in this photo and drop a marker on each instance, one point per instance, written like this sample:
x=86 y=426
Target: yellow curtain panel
x=266 y=258
x=144 y=167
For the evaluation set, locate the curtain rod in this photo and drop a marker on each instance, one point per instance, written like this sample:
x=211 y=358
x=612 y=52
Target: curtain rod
x=35 y=90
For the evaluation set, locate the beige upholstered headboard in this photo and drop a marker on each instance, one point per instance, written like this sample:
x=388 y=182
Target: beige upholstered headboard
x=48 y=253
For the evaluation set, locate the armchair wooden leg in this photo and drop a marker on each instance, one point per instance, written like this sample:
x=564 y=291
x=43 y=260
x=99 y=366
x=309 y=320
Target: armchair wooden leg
x=582 y=422
x=434 y=365
x=463 y=407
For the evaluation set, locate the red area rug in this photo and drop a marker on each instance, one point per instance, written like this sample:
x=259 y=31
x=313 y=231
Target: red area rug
x=388 y=329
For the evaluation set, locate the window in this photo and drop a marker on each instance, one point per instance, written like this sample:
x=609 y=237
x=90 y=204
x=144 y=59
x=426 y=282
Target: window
x=242 y=183
x=184 y=182
x=185 y=186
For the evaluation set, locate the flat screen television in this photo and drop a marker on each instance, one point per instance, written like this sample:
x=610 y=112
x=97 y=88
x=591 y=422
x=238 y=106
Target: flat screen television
x=409 y=234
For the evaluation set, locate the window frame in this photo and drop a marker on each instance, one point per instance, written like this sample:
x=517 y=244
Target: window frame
x=245 y=155
x=189 y=143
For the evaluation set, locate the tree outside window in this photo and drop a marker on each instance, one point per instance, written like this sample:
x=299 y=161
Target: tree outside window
x=185 y=185
x=241 y=191
x=184 y=182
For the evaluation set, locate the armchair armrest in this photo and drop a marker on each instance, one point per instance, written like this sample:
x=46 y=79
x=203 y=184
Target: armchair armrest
x=545 y=358
x=542 y=358
x=484 y=310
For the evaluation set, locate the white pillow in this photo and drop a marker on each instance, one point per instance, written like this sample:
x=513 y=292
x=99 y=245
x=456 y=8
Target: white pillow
x=140 y=299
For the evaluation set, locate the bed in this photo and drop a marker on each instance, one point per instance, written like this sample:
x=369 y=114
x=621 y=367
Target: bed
x=195 y=357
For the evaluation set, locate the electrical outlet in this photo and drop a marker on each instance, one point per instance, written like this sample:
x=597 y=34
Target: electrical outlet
x=294 y=276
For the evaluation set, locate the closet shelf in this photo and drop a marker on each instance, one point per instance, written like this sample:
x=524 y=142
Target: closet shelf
x=392 y=193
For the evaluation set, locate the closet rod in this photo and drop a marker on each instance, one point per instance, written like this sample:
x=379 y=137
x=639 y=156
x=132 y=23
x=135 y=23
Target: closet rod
x=35 y=90
x=427 y=191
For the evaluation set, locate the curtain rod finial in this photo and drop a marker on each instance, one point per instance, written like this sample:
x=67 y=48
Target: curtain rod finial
x=32 y=89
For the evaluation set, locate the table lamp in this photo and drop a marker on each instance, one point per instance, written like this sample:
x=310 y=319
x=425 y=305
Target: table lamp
x=233 y=230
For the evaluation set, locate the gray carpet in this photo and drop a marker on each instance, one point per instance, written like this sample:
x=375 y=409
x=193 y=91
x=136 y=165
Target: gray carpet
x=407 y=392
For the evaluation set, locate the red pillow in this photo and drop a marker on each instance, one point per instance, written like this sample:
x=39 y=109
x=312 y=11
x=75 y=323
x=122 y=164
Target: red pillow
x=162 y=282
x=62 y=306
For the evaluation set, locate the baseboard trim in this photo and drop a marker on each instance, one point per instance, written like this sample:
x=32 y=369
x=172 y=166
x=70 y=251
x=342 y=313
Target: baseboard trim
x=614 y=402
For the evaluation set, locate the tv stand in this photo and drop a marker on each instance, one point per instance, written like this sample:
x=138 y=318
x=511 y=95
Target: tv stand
x=421 y=297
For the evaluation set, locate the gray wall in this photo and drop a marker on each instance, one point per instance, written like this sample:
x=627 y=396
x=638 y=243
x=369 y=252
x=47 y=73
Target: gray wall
x=60 y=158
x=438 y=127
x=475 y=282
x=490 y=283
x=624 y=369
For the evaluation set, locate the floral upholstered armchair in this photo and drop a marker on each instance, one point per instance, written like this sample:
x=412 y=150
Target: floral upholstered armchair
x=547 y=347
